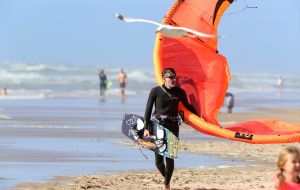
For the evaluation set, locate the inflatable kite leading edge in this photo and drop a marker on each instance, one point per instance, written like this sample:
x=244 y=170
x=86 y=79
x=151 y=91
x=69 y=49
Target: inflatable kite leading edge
x=204 y=74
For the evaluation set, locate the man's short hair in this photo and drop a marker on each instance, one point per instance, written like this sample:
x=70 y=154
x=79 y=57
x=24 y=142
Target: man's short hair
x=168 y=70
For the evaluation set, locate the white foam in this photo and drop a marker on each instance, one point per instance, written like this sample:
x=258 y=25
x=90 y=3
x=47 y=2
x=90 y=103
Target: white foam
x=35 y=81
x=22 y=97
x=3 y=117
x=44 y=126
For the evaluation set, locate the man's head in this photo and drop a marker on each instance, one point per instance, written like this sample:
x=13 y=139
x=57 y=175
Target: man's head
x=169 y=77
x=101 y=70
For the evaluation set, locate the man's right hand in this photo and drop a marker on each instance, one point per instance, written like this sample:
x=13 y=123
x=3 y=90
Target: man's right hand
x=146 y=133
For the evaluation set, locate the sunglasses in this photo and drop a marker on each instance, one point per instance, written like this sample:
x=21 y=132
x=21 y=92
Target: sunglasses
x=171 y=77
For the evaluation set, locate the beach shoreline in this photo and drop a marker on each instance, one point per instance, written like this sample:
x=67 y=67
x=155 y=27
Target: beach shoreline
x=257 y=174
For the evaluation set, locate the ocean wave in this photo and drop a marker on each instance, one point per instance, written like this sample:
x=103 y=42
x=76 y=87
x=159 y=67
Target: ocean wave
x=4 y=117
x=37 y=81
x=49 y=93
x=21 y=73
x=16 y=78
x=25 y=67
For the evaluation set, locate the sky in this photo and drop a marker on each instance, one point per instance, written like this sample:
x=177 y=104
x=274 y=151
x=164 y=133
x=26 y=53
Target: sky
x=86 y=32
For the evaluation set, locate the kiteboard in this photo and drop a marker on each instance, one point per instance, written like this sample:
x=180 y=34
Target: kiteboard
x=161 y=140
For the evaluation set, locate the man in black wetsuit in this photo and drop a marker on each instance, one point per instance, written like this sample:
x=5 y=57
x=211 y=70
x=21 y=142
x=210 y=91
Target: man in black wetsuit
x=166 y=99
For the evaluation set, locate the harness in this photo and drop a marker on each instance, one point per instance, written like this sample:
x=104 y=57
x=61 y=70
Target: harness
x=161 y=117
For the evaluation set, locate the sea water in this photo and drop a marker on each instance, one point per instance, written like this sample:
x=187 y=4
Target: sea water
x=39 y=81
x=43 y=138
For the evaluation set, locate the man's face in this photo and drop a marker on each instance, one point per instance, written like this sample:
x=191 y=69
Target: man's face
x=170 y=80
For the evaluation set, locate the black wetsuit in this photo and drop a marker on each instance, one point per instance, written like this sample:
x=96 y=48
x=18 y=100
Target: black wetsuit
x=166 y=103
x=102 y=85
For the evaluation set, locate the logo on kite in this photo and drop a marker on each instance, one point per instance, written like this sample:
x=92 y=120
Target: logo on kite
x=243 y=136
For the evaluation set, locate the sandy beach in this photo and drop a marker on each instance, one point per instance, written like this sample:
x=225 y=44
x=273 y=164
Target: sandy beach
x=256 y=174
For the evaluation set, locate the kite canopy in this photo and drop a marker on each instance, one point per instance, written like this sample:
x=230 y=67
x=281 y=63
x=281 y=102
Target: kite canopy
x=204 y=74
x=201 y=72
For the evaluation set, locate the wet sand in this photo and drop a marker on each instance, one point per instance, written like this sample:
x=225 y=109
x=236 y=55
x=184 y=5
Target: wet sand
x=256 y=175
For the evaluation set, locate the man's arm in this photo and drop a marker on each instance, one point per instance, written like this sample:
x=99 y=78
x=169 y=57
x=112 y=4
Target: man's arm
x=148 y=110
x=185 y=102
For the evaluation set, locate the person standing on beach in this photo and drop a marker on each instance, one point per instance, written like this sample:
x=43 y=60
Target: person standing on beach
x=103 y=83
x=166 y=99
x=287 y=177
x=279 y=85
x=229 y=102
x=122 y=82
x=4 y=91
x=279 y=82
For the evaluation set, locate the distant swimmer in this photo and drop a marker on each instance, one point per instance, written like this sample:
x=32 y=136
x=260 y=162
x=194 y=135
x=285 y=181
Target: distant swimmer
x=4 y=91
x=103 y=83
x=280 y=82
x=229 y=102
x=122 y=81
